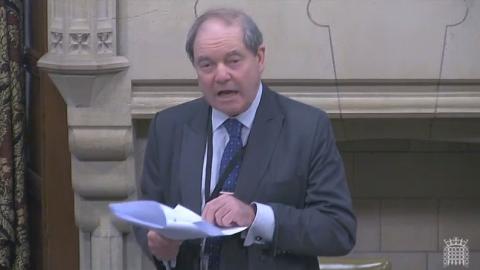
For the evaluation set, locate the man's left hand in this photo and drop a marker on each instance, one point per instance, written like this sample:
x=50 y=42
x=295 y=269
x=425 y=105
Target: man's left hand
x=228 y=211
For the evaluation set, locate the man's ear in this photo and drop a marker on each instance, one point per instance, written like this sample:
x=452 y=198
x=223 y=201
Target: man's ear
x=261 y=56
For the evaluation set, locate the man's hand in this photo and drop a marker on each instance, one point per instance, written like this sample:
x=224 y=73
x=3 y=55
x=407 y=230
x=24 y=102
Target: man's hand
x=161 y=247
x=228 y=211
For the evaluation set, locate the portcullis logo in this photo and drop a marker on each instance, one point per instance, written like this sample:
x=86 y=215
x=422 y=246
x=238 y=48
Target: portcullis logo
x=455 y=252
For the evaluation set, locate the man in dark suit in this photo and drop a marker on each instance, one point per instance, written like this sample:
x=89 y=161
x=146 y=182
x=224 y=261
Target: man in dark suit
x=273 y=160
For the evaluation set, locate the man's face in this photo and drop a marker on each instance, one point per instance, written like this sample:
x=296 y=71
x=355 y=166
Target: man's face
x=228 y=73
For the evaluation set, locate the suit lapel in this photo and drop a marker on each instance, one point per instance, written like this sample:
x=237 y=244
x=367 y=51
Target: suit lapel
x=261 y=144
x=191 y=160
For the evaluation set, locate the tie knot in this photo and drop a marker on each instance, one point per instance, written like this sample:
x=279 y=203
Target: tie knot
x=234 y=127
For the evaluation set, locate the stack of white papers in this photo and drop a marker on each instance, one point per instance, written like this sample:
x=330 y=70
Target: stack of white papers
x=179 y=223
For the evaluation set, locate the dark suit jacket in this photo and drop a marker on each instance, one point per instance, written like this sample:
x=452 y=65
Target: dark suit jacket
x=291 y=163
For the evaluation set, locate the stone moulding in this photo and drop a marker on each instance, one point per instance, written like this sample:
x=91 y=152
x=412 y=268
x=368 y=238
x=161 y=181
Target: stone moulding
x=80 y=79
x=341 y=99
x=100 y=143
x=78 y=65
x=102 y=180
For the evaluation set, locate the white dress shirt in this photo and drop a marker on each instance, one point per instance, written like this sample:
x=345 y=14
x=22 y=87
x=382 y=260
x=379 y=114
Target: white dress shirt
x=261 y=230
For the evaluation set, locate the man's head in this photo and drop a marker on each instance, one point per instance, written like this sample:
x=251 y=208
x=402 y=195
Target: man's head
x=226 y=48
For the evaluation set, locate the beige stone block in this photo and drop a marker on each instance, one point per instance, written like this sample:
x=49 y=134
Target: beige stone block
x=460 y=218
x=153 y=37
x=286 y=25
x=368 y=225
x=103 y=179
x=435 y=262
x=100 y=143
x=409 y=225
x=462 y=59
x=385 y=50
x=148 y=24
x=399 y=261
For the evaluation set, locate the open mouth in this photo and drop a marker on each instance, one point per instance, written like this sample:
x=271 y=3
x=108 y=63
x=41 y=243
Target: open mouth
x=224 y=93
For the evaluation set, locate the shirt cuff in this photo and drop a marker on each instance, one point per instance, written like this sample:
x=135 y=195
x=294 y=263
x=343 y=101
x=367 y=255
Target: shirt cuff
x=263 y=226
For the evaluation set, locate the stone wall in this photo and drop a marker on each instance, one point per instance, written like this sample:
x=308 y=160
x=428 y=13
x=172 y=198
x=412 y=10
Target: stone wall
x=411 y=195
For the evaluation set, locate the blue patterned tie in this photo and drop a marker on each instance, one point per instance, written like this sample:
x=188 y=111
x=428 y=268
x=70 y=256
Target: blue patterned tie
x=213 y=245
x=234 y=145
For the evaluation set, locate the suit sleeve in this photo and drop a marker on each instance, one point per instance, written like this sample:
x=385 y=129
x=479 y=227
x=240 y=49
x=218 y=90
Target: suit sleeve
x=326 y=226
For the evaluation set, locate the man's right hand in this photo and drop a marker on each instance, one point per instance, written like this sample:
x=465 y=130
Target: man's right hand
x=161 y=247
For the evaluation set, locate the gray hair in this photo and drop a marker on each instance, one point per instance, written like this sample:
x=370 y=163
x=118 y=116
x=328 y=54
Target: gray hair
x=252 y=37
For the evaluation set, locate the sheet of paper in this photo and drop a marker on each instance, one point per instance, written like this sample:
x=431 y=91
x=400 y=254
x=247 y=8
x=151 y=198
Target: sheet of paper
x=184 y=214
x=179 y=223
x=144 y=213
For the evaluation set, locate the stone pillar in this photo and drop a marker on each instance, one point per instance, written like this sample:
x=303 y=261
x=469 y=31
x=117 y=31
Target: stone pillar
x=83 y=63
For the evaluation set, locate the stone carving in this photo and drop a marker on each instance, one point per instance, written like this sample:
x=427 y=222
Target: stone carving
x=79 y=43
x=114 y=142
x=100 y=141
x=104 y=43
x=195 y=8
x=461 y=41
x=56 y=42
x=385 y=39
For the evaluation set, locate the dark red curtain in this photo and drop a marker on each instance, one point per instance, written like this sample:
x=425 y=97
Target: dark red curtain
x=14 y=248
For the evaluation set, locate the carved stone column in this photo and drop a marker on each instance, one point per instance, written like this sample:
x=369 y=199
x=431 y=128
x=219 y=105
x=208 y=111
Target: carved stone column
x=83 y=63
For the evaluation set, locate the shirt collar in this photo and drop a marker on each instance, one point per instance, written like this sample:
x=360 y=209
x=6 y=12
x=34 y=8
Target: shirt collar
x=246 y=117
